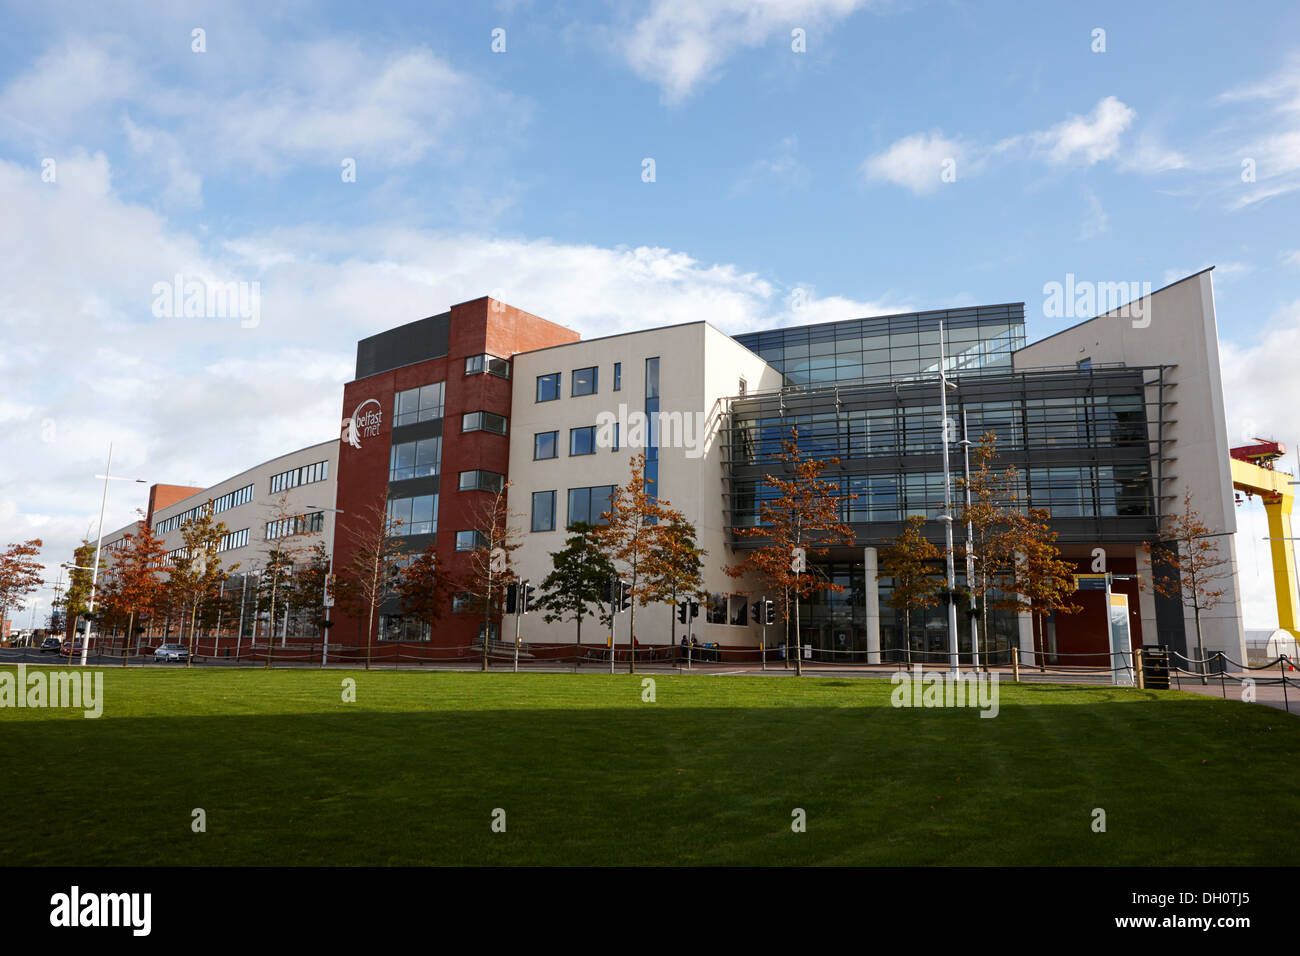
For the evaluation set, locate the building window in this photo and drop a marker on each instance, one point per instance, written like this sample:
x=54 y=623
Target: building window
x=298 y=524
x=480 y=480
x=544 y=445
x=483 y=422
x=470 y=540
x=1084 y=364
x=233 y=499
x=236 y=539
x=584 y=381
x=478 y=364
x=739 y=610
x=415 y=459
x=618 y=376
x=421 y=404
x=464 y=602
x=582 y=441
x=396 y=627
x=548 y=387
x=717 y=610
x=586 y=505
x=418 y=515
x=744 y=388
x=543 y=511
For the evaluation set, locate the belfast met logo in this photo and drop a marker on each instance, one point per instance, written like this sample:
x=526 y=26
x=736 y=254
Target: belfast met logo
x=364 y=423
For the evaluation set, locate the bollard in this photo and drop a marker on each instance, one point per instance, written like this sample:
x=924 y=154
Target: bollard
x=1137 y=666
x=1015 y=664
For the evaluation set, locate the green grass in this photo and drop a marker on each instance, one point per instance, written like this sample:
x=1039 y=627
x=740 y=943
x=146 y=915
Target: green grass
x=589 y=774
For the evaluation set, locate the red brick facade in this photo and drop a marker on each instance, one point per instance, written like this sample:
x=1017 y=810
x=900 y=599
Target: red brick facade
x=482 y=325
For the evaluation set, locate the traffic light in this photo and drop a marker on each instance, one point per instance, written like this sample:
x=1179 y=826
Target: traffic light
x=682 y=608
x=624 y=595
x=756 y=611
x=609 y=590
x=768 y=615
x=512 y=598
x=528 y=598
x=695 y=609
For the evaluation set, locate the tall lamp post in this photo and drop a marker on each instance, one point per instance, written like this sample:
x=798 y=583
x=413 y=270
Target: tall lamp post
x=99 y=545
x=946 y=517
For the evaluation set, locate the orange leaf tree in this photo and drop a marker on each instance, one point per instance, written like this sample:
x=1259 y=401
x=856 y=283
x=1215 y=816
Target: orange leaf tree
x=20 y=575
x=910 y=560
x=1196 y=567
x=632 y=535
x=490 y=573
x=803 y=511
x=138 y=582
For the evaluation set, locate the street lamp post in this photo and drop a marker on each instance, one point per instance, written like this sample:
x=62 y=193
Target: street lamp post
x=99 y=545
x=946 y=517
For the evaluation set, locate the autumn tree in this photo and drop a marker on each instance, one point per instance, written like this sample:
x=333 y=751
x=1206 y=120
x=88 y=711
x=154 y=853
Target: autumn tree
x=631 y=534
x=576 y=582
x=75 y=601
x=802 y=511
x=425 y=588
x=376 y=553
x=993 y=516
x=20 y=575
x=910 y=560
x=138 y=576
x=675 y=566
x=496 y=538
x=197 y=574
x=1042 y=582
x=1195 y=569
x=307 y=593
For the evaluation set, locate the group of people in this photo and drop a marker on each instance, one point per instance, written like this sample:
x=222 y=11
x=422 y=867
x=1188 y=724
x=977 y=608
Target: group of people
x=694 y=651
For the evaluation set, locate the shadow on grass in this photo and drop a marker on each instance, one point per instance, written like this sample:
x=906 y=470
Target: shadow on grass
x=1180 y=783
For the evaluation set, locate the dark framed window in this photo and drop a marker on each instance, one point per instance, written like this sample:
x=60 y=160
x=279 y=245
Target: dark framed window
x=478 y=364
x=584 y=381
x=618 y=376
x=586 y=505
x=469 y=540
x=418 y=404
x=545 y=445
x=484 y=422
x=543 y=511
x=582 y=441
x=418 y=515
x=480 y=480
x=415 y=459
x=548 y=387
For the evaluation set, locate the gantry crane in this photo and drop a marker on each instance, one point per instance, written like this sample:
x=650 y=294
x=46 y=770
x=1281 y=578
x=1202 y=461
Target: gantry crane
x=1253 y=473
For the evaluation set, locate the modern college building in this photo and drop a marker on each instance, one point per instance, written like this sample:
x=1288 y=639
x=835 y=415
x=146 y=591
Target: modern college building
x=1109 y=423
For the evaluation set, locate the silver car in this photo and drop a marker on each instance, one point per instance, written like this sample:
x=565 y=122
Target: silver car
x=171 y=652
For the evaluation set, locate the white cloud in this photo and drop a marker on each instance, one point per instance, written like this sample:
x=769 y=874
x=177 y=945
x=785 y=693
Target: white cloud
x=680 y=44
x=1260 y=402
x=64 y=86
x=916 y=162
x=1087 y=139
x=1292 y=258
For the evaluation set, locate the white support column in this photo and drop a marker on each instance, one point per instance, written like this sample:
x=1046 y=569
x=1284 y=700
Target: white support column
x=871 y=588
x=1025 y=620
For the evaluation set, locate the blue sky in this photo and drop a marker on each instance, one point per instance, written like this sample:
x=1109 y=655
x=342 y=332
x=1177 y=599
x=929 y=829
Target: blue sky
x=781 y=177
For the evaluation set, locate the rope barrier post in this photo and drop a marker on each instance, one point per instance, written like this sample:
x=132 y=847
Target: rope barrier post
x=1178 y=672
x=1223 y=671
x=1139 y=677
x=1015 y=664
x=1282 y=667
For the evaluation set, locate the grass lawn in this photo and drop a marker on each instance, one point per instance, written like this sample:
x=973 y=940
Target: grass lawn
x=589 y=774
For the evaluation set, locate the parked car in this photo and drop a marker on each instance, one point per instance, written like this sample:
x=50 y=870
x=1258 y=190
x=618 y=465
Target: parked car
x=76 y=649
x=51 y=644
x=171 y=652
